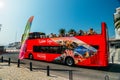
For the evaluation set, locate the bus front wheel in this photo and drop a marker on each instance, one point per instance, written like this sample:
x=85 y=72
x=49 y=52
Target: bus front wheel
x=31 y=56
x=69 y=61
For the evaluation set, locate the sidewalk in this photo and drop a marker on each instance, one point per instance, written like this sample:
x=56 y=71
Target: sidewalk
x=12 y=72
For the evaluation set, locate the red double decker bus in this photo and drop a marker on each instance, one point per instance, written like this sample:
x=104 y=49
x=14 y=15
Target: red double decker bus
x=84 y=50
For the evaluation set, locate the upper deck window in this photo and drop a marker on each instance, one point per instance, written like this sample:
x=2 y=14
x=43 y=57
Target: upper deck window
x=36 y=35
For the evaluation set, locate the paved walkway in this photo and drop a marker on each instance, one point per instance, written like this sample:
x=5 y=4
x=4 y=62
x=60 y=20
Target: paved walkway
x=12 y=72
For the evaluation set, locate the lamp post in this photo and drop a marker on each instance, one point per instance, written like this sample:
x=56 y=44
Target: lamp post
x=0 y=26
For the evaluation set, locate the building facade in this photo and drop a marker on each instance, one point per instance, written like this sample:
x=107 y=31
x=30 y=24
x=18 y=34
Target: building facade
x=117 y=23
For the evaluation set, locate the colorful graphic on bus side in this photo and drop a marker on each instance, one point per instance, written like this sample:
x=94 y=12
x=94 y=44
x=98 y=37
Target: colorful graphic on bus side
x=74 y=48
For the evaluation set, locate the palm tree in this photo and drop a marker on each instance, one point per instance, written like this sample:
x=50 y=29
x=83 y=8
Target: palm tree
x=62 y=32
x=72 y=31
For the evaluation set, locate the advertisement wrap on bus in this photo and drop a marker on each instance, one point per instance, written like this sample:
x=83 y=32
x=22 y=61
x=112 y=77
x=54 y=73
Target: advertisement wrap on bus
x=76 y=49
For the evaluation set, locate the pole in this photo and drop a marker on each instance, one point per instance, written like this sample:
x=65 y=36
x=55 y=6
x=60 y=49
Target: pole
x=2 y=59
x=70 y=75
x=0 y=28
x=48 y=71
x=30 y=66
x=112 y=59
x=18 y=62
x=9 y=62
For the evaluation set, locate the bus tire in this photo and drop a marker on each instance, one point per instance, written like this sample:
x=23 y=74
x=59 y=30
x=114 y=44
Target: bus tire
x=69 y=61
x=31 y=56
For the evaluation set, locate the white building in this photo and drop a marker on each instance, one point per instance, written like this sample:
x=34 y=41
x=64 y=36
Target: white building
x=117 y=23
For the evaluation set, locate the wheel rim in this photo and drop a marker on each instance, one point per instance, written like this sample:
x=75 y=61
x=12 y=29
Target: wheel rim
x=69 y=61
x=31 y=56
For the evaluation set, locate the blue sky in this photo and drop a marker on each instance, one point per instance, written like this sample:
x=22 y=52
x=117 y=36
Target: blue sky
x=51 y=15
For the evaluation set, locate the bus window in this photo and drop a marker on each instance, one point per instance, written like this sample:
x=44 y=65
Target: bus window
x=55 y=49
x=95 y=46
x=36 y=49
x=47 y=49
x=31 y=36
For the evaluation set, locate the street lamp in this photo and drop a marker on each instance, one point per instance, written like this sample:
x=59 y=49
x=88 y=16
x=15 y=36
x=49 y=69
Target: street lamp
x=0 y=26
